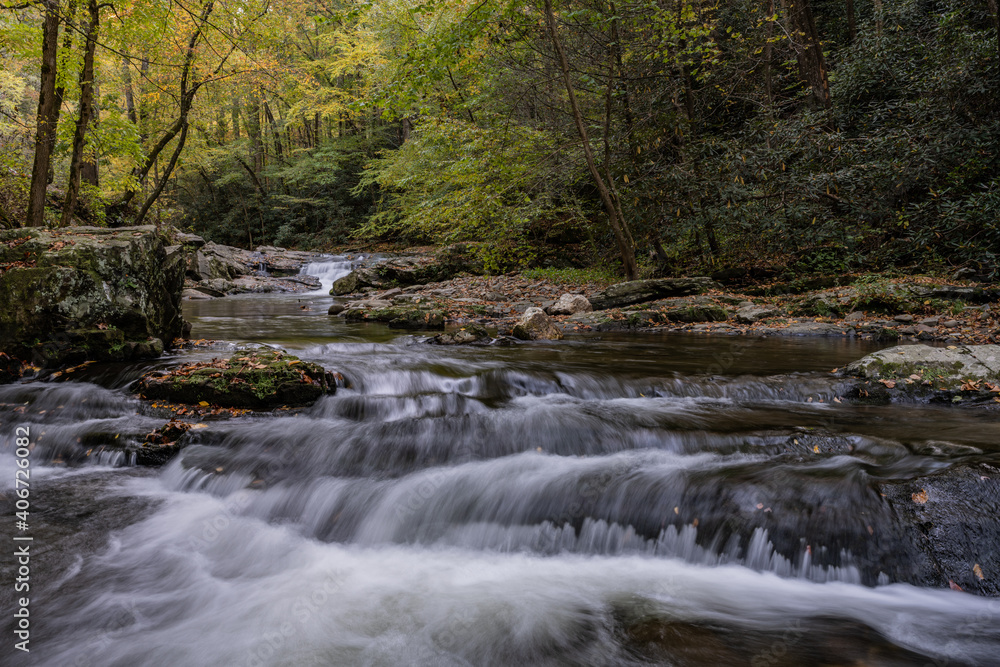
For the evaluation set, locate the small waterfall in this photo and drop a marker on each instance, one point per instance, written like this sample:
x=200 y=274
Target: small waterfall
x=258 y=264
x=330 y=270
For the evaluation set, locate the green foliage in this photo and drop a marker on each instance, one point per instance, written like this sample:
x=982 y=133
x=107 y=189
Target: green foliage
x=454 y=181
x=306 y=201
x=601 y=275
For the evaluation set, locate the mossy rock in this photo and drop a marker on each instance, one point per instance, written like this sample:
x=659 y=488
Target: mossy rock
x=696 y=313
x=257 y=380
x=71 y=284
x=399 y=317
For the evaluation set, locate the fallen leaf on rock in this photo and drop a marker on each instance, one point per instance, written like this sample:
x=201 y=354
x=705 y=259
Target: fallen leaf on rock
x=953 y=586
x=920 y=498
x=978 y=571
x=890 y=384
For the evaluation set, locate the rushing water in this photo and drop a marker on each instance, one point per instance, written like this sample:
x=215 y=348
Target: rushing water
x=615 y=500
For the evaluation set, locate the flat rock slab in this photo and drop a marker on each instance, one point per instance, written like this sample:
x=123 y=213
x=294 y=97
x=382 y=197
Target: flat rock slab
x=641 y=291
x=256 y=380
x=944 y=366
x=814 y=329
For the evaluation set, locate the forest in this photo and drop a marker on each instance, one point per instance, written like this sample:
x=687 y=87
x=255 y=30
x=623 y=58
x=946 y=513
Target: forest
x=650 y=137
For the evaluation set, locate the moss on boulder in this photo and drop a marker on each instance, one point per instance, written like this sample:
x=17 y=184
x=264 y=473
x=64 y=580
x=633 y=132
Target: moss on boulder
x=88 y=293
x=258 y=380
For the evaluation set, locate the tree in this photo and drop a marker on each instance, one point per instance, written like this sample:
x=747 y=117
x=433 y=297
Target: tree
x=85 y=113
x=45 y=128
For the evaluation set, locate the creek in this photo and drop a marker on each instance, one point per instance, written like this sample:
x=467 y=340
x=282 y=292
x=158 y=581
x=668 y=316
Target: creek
x=608 y=499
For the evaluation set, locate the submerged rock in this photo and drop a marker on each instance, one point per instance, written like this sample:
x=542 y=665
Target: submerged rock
x=641 y=291
x=954 y=517
x=536 y=325
x=88 y=293
x=261 y=379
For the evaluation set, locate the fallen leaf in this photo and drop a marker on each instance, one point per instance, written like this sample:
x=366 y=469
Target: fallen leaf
x=203 y=404
x=978 y=571
x=890 y=384
x=920 y=498
x=953 y=586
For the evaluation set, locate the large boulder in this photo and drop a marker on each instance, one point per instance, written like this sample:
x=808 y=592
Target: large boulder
x=213 y=261
x=641 y=291
x=536 y=325
x=89 y=293
x=944 y=367
x=258 y=380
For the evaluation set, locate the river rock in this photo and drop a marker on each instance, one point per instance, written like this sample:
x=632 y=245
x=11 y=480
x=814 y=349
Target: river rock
x=641 y=291
x=88 y=293
x=336 y=309
x=954 y=516
x=754 y=313
x=258 y=380
x=536 y=325
x=470 y=333
x=570 y=304
x=695 y=312
x=399 y=316
x=213 y=261
x=945 y=367
x=815 y=329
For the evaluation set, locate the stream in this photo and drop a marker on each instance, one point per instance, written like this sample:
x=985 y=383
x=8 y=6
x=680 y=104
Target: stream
x=608 y=499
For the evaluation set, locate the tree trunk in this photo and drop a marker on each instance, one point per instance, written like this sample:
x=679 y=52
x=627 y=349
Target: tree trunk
x=45 y=130
x=995 y=15
x=86 y=108
x=768 y=50
x=179 y=129
x=852 y=22
x=617 y=223
x=808 y=51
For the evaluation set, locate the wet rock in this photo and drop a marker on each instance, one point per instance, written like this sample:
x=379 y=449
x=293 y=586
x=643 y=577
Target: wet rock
x=536 y=325
x=399 y=316
x=908 y=331
x=753 y=313
x=369 y=303
x=348 y=284
x=72 y=285
x=336 y=309
x=570 y=304
x=467 y=335
x=195 y=295
x=954 y=517
x=641 y=291
x=815 y=329
x=259 y=380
